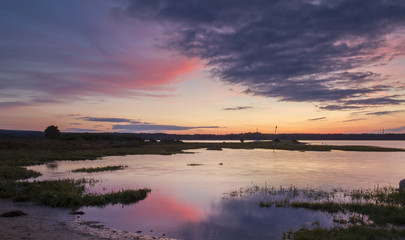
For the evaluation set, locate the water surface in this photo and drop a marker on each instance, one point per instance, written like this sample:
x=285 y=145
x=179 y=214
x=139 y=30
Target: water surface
x=188 y=201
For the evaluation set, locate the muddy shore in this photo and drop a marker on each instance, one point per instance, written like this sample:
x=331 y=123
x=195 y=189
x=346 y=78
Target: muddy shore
x=45 y=223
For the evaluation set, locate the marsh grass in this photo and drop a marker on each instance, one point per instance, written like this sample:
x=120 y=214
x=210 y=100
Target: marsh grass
x=16 y=173
x=354 y=232
x=214 y=148
x=15 y=153
x=100 y=169
x=66 y=193
x=377 y=213
x=194 y=164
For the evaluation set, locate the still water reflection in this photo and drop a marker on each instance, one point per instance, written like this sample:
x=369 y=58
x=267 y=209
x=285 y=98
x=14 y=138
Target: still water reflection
x=187 y=201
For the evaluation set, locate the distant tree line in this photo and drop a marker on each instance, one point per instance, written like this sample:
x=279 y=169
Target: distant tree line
x=261 y=136
x=53 y=133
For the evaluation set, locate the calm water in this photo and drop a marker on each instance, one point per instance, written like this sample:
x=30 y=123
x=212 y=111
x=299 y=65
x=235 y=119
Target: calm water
x=187 y=201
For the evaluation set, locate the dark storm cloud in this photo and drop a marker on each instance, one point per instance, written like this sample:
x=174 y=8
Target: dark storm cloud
x=237 y=108
x=317 y=119
x=155 y=127
x=385 y=112
x=293 y=50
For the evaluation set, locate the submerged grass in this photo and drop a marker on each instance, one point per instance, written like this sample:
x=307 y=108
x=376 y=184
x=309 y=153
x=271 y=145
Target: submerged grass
x=100 y=169
x=355 y=232
x=373 y=214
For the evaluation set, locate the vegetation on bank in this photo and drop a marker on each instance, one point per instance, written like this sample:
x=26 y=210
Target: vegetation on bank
x=66 y=193
x=354 y=232
x=18 y=152
x=100 y=169
x=372 y=214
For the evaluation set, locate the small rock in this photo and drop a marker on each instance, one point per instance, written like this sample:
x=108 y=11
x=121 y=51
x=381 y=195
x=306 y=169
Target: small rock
x=77 y=213
x=402 y=184
x=16 y=213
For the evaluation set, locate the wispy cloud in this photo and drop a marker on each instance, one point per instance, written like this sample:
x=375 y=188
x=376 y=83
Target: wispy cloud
x=27 y=103
x=92 y=53
x=353 y=120
x=111 y=120
x=388 y=100
x=82 y=130
x=237 y=108
x=288 y=49
x=397 y=130
x=364 y=103
x=156 y=127
x=131 y=125
x=385 y=112
x=334 y=107
x=317 y=119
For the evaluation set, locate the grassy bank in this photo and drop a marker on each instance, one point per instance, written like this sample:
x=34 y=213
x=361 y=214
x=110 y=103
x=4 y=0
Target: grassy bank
x=373 y=214
x=355 y=232
x=66 y=193
x=15 y=153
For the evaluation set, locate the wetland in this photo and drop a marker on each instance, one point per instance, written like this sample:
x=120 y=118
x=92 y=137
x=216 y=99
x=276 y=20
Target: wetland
x=213 y=199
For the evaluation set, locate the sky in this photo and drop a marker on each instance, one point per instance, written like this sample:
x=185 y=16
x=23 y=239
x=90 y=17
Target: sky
x=199 y=67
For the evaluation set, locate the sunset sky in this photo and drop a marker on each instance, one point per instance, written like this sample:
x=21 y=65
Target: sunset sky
x=214 y=66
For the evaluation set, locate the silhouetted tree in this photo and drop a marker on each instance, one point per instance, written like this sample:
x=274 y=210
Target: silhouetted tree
x=52 y=132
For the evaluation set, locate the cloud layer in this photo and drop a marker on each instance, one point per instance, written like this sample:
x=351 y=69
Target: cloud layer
x=71 y=49
x=155 y=127
x=305 y=51
x=130 y=125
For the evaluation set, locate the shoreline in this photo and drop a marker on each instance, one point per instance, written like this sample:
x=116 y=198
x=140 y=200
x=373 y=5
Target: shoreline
x=47 y=223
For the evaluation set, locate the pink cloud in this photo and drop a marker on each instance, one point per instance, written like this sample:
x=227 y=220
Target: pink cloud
x=92 y=53
x=140 y=74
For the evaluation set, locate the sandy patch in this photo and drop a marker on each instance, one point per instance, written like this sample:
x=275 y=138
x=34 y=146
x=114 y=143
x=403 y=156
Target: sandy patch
x=44 y=222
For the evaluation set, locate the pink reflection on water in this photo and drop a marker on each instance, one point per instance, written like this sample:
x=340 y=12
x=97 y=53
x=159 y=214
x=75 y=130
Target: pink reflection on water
x=156 y=215
x=160 y=207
